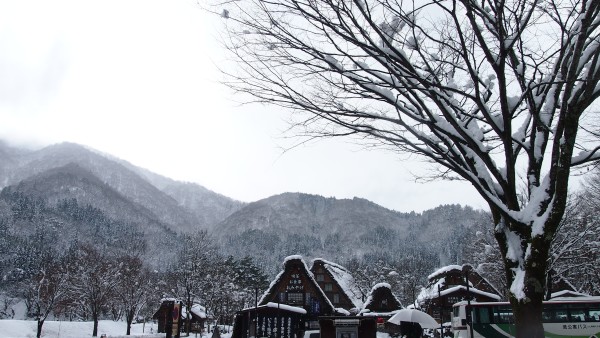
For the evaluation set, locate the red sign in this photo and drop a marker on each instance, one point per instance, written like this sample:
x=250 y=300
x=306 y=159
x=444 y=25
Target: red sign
x=175 y=314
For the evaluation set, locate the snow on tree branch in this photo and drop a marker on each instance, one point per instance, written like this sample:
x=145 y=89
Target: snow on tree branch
x=495 y=93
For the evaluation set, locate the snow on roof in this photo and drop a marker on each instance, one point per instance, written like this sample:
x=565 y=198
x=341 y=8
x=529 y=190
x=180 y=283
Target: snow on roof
x=282 y=272
x=368 y=313
x=197 y=309
x=272 y=285
x=370 y=298
x=431 y=292
x=342 y=311
x=444 y=270
x=479 y=273
x=344 y=279
x=380 y=285
x=280 y=306
x=310 y=275
x=582 y=299
x=286 y=307
x=471 y=290
x=291 y=258
x=567 y=293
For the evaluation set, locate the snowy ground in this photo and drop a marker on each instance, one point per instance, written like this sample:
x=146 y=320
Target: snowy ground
x=52 y=329
x=27 y=329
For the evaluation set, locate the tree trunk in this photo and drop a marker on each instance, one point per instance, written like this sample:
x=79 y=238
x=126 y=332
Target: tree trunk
x=528 y=311
x=528 y=319
x=526 y=274
x=188 y=317
x=129 y=321
x=95 y=331
x=40 y=323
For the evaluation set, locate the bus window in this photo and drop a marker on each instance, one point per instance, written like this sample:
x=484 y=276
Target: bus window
x=577 y=315
x=594 y=315
x=555 y=313
x=561 y=315
x=503 y=315
x=547 y=316
x=483 y=315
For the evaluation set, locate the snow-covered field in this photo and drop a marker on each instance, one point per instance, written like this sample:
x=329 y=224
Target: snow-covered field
x=52 y=329
x=27 y=329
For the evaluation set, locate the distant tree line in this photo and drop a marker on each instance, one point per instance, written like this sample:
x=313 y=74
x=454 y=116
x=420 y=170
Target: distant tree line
x=63 y=270
x=574 y=257
x=72 y=262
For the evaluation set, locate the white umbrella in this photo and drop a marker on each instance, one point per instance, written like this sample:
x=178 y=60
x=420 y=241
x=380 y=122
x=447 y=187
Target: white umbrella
x=414 y=316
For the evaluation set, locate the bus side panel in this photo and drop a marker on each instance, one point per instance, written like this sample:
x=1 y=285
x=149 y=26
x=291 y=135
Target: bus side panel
x=493 y=330
x=572 y=329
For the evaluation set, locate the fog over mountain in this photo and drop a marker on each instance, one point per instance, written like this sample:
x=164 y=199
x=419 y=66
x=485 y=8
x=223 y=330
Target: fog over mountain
x=59 y=181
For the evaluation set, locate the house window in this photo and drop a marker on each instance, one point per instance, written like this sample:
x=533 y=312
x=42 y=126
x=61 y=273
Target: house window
x=336 y=298
x=328 y=287
x=295 y=298
x=320 y=278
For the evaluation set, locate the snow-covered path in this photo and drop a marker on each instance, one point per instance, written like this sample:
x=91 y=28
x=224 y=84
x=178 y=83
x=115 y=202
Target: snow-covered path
x=26 y=329
x=54 y=329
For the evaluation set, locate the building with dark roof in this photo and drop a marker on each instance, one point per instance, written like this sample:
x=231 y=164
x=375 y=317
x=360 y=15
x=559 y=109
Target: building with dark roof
x=381 y=302
x=294 y=300
x=339 y=286
x=324 y=298
x=448 y=285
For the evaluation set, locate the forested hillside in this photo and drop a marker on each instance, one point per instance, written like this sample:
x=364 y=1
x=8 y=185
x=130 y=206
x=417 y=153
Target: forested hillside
x=65 y=207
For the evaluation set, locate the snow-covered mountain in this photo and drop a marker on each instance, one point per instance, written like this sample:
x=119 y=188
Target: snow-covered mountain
x=183 y=207
x=81 y=188
x=342 y=229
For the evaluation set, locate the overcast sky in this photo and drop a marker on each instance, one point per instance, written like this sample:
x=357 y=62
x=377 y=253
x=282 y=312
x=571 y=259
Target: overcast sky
x=138 y=79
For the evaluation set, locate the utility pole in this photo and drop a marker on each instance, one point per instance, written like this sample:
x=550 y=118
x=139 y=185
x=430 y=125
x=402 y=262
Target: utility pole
x=468 y=313
x=441 y=312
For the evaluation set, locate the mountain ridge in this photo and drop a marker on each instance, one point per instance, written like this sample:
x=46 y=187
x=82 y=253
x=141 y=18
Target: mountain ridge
x=77 y=177
x=122 y=177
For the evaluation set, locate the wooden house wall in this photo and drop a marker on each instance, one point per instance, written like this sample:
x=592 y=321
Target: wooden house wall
x=268 y=322
x=445 y=303
x=331 y=288
x=161 y=317
x=383 y=301
x=457 y=277
x=296 y=288
x=163 y=314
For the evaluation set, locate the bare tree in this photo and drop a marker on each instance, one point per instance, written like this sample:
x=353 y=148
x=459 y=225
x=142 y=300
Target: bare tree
x=575 y=251
x=189 y=275
x=484 y=254
x=133 y=287
x=44 y=289
x=493 y=92
x=92 y=281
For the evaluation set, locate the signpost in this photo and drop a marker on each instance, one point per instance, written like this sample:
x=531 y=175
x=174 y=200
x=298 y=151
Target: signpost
x=173 y=319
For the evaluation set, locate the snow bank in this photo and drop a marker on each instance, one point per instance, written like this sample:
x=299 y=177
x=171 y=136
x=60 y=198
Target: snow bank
x=58 y=329
x=53 y=329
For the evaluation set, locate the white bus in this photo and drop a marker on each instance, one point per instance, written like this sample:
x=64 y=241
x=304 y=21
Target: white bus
x=563 y=317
